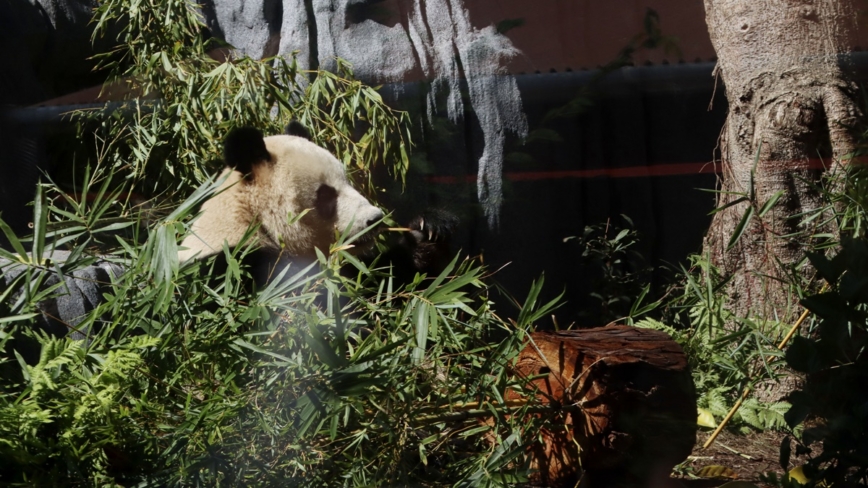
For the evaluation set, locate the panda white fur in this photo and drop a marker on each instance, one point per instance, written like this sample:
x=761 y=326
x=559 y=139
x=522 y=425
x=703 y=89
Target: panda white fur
x=269 y=179
x=266 y=180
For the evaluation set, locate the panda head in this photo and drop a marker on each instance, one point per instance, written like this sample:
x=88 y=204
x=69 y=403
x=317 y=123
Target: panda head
x=270 y=180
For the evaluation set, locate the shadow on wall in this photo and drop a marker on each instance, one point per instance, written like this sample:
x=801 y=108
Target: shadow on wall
x=518 y=201
x=46 y=46
x=521 y=180
x=640 y=146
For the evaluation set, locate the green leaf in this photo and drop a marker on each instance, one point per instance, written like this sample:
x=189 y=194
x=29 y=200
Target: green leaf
x=40 y=219
x=830 y=270
x=252 y=347
x=825 y=305
x=803 y=355
x=771 y=202
x=705 y=418
x=323 y=349
x=16 y=318
x=529 y=313
x=421 y=321
x=740 y=228
x=16 y=243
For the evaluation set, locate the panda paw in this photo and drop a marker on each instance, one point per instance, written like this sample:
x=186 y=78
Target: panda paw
x=433 y=226
x=429 y=238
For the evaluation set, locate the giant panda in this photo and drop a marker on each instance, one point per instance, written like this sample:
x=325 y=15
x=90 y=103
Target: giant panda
x=267 y=180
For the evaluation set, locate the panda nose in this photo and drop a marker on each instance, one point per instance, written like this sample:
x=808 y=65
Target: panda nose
x=375 y=218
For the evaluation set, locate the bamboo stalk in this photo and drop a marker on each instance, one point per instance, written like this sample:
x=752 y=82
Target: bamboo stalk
x=479 y=412
x=471 y=405
x=748 y=388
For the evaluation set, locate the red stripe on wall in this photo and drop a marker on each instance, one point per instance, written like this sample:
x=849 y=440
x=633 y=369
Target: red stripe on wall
x=672 y=169
x=631 y=172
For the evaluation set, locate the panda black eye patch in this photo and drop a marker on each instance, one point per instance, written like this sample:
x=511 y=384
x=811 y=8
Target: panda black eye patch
x=326 y=203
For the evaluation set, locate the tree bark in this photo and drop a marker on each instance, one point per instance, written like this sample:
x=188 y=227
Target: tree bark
x=791 y=111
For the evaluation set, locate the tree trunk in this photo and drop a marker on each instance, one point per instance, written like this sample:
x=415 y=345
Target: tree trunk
x=636 y=406
x=790 y=113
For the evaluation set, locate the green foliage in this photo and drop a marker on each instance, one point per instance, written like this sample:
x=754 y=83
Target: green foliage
x=753 y=205
x=618 y=272
x=845 y=193
x=318 y=379
x=179 y=101
x=835 y=397
x=783 y=481
x=723 y=350
x=727 y=352
x=188 y=376
x=763 y=416
x=718 y=375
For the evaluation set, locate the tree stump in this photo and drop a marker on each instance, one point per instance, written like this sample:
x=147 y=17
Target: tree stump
x=629 y=405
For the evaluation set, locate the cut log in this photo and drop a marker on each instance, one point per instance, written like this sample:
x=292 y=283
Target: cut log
x=629 y=405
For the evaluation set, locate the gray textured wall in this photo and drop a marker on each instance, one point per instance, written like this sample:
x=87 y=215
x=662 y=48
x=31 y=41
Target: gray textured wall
x=395 y=41
x=78 y=291
x=47 y=44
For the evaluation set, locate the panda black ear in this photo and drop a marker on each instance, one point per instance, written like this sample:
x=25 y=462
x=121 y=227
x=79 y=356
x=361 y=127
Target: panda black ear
x=295 y=128
x=243 y=148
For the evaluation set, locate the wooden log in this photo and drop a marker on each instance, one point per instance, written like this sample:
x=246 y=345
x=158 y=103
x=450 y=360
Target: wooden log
x=631 y=405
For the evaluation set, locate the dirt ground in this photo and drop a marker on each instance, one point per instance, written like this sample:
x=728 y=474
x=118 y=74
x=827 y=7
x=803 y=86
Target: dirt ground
x=748 y=456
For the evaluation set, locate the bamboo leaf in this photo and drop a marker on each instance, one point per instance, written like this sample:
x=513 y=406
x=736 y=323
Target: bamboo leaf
x=771 y=202
x=15 y=242
x=730 y=204
x=421 y=317
x=16 y=318
x=40 y=219
x=740 y=228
